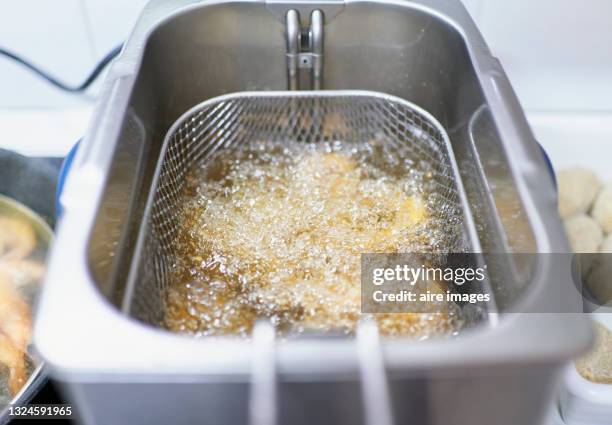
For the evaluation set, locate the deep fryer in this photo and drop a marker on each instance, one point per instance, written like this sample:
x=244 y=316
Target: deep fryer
x=181 y=53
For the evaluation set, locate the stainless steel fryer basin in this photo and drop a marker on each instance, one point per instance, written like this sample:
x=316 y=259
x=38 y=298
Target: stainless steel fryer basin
x=184 y=52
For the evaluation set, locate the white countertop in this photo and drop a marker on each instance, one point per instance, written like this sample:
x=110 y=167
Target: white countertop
x=43 y=132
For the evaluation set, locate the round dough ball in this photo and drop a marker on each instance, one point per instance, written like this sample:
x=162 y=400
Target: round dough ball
x=602 y=210
x=599 y=280
x=584 y=234
x=606 y=246
x=578 y=188
x=597 y=365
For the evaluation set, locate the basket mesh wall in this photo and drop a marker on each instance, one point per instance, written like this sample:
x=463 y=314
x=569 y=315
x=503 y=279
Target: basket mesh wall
x=316 y=117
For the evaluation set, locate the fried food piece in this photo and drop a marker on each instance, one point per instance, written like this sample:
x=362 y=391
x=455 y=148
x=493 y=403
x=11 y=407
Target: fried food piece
x=15 y=333
x=22 y=272
x=15 y=360
x=18 y=278
x=409 y=212
x=17 y=238
x=333 y=163
x=15 y=315
x=412 y=212
x=332 y=171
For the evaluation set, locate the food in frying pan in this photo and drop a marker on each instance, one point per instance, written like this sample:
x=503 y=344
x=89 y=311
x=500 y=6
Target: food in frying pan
x=21 y=270
x=17 y=238
x=15 y=328
x=276 y=231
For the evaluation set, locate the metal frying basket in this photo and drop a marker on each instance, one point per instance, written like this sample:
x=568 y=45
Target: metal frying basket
x=229 y=121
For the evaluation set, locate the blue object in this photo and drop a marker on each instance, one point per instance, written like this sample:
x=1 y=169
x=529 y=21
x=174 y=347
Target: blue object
x=63 y=174
x=548 y=162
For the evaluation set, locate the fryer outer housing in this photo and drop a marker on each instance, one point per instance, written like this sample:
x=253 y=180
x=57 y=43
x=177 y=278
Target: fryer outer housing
x=181 y=52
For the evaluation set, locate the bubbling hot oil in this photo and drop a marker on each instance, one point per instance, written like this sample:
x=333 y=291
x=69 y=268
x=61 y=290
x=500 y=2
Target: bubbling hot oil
x=275 y=230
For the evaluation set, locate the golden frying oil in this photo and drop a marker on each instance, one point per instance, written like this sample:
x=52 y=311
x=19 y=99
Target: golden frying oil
x=275 y=231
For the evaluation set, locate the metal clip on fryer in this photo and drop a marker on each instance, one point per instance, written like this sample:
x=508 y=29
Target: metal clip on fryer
x=304 y=51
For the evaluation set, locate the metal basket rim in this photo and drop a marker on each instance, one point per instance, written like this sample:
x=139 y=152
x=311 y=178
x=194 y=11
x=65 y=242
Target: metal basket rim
x=302 y=94
x=468 y=218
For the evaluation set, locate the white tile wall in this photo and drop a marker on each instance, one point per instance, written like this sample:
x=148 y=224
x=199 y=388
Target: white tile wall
x=66 y=37
x=111 y=21
x=474 y=7
x=558 y=53
x=53 y=34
